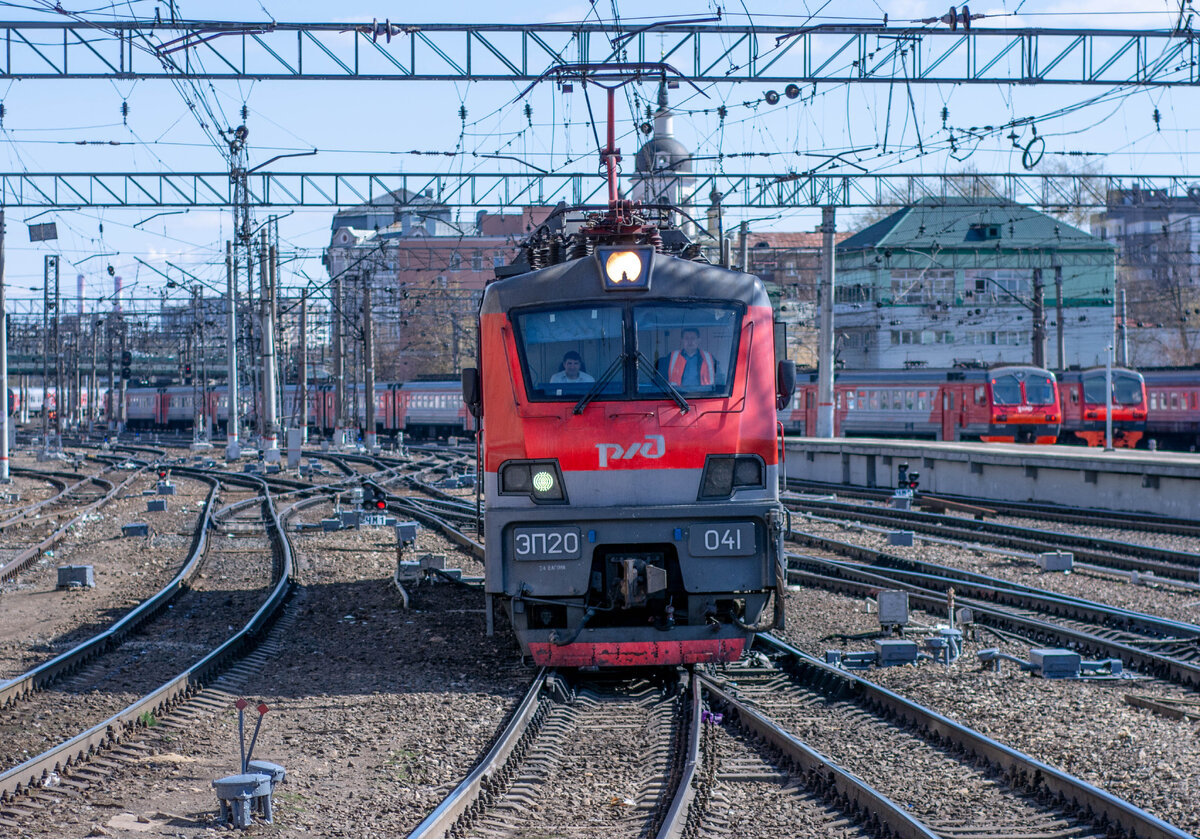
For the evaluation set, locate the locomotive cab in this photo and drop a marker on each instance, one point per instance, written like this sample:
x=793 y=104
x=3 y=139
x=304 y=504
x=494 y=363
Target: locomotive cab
x=627 y=403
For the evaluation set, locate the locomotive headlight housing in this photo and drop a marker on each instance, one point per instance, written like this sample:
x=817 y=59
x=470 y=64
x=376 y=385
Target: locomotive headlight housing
x=541 y=480
x=723 y=473
x=625 y=269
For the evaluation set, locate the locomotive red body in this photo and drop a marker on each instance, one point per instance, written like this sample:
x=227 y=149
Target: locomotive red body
x=631 y=518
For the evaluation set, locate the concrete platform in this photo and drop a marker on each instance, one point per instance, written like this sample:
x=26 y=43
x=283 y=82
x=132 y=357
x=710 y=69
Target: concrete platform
x=1167 y=483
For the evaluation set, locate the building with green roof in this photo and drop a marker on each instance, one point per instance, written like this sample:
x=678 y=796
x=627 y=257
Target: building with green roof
x=943 y=282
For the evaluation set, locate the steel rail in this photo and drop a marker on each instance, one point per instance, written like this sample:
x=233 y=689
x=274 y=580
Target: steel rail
x=1069 y=515
x=467 y=794
x=853 y=793
x=675 y=821
x=1179 y=565
x=24 y=559
x=78 y=748
x=862 y=582
x=47 y=672
x=899 y=566
x=1104 y=807
x=23 y=513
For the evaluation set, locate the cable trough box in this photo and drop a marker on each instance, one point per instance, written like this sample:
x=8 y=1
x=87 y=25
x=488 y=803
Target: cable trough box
x=135 y=529
x=156 y=505
x=165 y=488
x=1055 y=664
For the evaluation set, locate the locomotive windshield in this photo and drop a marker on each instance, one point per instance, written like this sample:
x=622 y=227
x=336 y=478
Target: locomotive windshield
x=1127 y=389
x=593 y=350
x=692 y=346
x=1039 y=390
x=1006 y=390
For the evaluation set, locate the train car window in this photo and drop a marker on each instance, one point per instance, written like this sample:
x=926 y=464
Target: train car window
x=910 y=399
x=1039 y=390
x=839 y=400
x=1174 y=401
x=1074 y=396
x=980 y=395
x=851 y=400
x=1153 y=401
x=922 y=400
x=693 y=346
x=1006 y=390
x=874 y=400
x=565 y=351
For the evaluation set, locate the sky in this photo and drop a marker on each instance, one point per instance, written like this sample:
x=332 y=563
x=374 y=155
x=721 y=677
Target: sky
x=376 y=126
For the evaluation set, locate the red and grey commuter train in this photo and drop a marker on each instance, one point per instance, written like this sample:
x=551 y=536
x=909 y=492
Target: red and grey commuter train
x=1003 y=404
x=417 y=408
x=1085 y=406
x=633 y=512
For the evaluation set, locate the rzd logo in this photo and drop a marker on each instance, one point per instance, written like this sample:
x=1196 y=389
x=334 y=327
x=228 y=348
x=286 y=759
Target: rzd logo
x=653 y=447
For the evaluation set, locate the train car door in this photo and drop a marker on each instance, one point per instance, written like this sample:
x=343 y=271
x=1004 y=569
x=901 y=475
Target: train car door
x=949 y=413
x=162 y=407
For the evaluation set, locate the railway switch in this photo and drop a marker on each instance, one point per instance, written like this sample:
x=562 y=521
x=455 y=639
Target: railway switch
x=1057 y=664
x=241 y=796
x=76 y=576
x=893 y=652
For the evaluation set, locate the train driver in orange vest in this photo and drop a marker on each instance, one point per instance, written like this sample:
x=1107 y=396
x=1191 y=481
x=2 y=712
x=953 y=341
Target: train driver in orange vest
x=689 y=366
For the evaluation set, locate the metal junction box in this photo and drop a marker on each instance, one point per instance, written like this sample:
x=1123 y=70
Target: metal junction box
x=76 y=576
x=1055 y=664
x=165 y=488
x=891 y=652
x=901 y=538
x=893 y=608
x=1056 y=561
x=156 y=505
x=135 y=529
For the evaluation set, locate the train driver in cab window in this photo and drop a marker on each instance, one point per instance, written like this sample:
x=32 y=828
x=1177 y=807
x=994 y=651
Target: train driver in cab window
x=690 y=367
x=571 y=371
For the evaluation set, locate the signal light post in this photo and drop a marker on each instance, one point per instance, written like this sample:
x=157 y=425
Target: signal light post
x=6 y=417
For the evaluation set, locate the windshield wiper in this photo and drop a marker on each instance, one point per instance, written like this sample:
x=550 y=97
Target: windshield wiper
x=595 y=389
x=661 y=380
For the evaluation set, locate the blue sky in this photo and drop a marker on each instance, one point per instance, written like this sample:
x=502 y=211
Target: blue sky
x=361 y=126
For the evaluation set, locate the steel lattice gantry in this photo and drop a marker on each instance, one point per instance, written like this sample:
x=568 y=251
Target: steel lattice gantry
x=492 y=52
x=504 y=191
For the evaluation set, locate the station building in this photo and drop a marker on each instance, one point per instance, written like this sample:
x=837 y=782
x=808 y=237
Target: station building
x=950 y=281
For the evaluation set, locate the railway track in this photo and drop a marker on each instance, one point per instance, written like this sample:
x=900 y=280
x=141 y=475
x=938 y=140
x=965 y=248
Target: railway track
x=1107 y=553
x=168 y=661
x=1154 y=646
x=1047 y=512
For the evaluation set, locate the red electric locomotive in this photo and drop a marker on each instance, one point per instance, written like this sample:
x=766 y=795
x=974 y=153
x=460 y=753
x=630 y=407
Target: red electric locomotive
x=1085 y=406
x=627 y=403
x=1012 y=403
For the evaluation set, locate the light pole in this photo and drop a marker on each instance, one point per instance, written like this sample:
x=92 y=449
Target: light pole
x=1108 y=401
